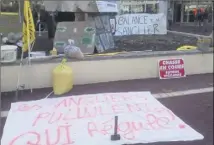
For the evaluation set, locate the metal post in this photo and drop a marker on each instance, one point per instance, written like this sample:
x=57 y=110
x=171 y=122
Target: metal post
x=0 y=81
x=39 y=23
x=115 y=136
x=115 y=124
x=0 y=6
x=20 y=14
x=182 y=11
x=212 y=35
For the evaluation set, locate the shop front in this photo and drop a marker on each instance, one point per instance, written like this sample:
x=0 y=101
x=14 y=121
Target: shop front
x=184 y=10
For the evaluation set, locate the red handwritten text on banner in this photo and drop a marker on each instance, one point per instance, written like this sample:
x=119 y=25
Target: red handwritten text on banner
x=84 y=119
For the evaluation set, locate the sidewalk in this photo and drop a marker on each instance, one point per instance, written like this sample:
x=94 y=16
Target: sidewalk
x=196 y=109
x=153 y=85
x=193 y=29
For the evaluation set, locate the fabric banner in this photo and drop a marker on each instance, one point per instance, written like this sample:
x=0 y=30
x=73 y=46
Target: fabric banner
x=89 y=119
x=140 y=24
x=28 y=27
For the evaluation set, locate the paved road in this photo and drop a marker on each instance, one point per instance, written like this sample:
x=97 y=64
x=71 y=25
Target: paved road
x=153 y=85
x=196 y=110
x=193 y=29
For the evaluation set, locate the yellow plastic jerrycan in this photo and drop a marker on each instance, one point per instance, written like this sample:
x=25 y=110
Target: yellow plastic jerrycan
x=62 y=78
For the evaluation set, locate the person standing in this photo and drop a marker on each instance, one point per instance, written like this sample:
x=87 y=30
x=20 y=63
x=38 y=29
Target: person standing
x=205 y=19
x=195 y=16
x=170 y=18
x=199 y=17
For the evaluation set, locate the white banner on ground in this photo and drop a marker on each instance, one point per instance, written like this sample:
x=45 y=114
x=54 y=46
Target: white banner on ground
x=136 y=24
x=89 y=119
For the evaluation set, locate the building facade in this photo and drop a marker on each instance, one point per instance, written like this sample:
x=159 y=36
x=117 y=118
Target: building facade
x=138 y=6
x=9 y=6
x=183 y=10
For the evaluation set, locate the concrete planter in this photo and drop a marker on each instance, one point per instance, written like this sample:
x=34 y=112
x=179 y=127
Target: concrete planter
x=204 y=44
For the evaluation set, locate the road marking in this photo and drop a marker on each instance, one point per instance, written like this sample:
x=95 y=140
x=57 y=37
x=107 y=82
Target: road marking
x=183 y=93
x=162 y=95
x=189 y=34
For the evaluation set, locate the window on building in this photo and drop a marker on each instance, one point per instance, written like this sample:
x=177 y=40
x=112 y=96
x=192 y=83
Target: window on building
x=149 y=8
x=157 y=7
x=124 y=9
x=190 y=10
x=143 y=8
x=208 y=8
x=140 y=6
x=152 y=7
x=9 y=6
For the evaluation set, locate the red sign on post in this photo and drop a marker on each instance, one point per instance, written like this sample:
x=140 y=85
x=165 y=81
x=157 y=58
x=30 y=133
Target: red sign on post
x=171 y=68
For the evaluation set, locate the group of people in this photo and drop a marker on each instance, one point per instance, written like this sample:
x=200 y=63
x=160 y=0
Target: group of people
x=200 y=16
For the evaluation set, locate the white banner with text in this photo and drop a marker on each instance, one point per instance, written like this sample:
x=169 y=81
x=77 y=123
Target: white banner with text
x=89 y=119
x=141 y=24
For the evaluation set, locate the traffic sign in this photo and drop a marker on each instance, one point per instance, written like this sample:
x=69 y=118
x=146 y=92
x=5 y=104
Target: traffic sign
x=171 y=68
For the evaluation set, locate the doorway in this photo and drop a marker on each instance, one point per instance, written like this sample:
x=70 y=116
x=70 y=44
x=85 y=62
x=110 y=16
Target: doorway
x=188 y=14
x=177 y=12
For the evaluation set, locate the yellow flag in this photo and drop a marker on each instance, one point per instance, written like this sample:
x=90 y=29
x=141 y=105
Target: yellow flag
x=28 y=27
